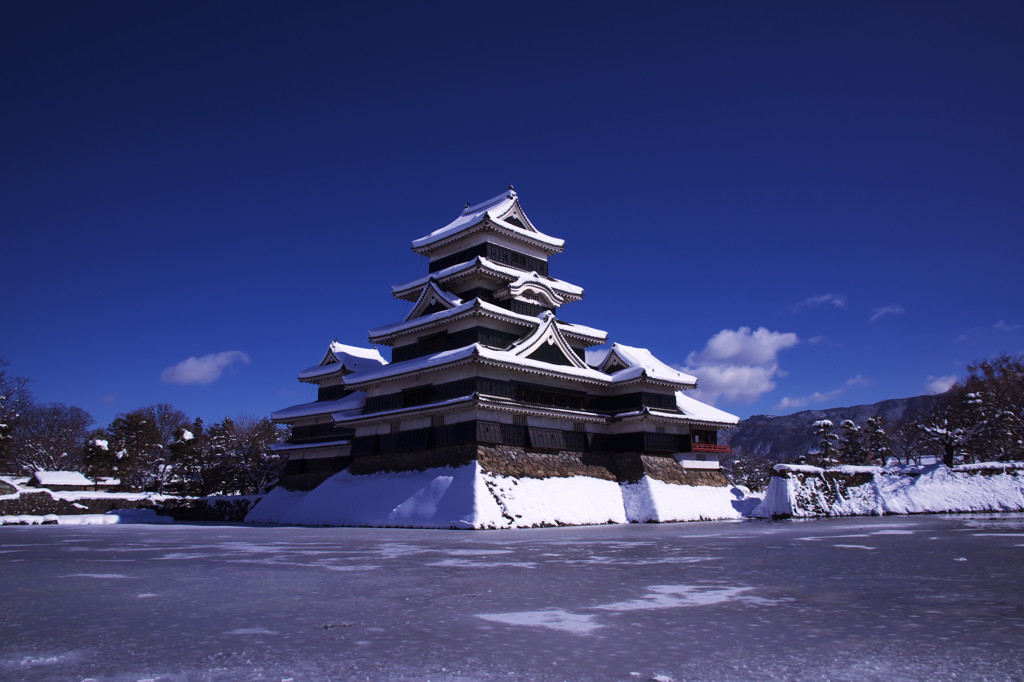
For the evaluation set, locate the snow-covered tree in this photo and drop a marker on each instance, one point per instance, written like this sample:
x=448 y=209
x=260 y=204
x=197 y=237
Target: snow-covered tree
x=49 y=438
x=850 y=443
x=828 y=441
x=877 y=444
x=984 y=416
x=139 y=443
x=97 y=458
x=748 y=469
x=245 y=443
x=201 y=468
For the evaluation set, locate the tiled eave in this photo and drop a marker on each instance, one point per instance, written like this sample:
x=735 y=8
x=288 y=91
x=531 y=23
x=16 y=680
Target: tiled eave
x=410 y=291
x=430 y=408
x=487 y=224
x=475 y=355
x=292 y=447
x=443 y=318
x=648 y=415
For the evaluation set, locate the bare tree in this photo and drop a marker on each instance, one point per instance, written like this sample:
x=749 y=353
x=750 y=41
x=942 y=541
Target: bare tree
x=14 y=398
x=49 y=438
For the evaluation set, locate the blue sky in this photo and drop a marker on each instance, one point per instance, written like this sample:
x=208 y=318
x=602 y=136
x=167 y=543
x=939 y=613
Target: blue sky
x=807 y=204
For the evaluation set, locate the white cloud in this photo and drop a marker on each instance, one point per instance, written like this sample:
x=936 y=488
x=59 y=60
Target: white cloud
x=837 y=300
x=203 y=370
x=891 y=309
x=1002 y=326
x=740 y=364
x=821 y=397
x=937 y=385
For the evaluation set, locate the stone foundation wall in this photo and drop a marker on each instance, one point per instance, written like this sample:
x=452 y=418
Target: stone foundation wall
x=42 y=503
x=667 y=469
x=519 y=462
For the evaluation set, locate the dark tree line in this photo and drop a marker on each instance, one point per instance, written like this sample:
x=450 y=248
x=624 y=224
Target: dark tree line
x=154 y=448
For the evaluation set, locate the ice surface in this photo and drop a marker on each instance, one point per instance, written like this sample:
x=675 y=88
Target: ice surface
x=206 y=602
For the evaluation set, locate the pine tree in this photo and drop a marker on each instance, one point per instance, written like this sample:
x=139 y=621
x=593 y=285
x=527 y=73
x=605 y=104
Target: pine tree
x=97 y=458
x=876 y=441
x=851 y=443
x=140 y=441
x=828 y=452
x=200 y=469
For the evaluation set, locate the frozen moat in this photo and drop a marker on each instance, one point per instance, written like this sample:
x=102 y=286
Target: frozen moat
x=844 y=599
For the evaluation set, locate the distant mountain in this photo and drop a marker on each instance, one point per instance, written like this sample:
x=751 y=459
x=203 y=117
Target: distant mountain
x=786 y=438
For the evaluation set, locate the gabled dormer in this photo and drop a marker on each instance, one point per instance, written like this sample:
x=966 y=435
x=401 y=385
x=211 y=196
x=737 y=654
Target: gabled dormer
x=547 y=344
x=626 y=363
x=341 y=360
x=433 y=299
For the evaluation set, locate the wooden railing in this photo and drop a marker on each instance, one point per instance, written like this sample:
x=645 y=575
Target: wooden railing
x=705 y=447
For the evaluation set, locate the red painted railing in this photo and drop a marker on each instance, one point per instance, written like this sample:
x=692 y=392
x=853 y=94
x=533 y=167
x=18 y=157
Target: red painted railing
x=704 y=447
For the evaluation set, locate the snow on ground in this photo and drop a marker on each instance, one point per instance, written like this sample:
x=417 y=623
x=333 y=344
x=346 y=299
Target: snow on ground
x=116 y=516
x=468 y=497
x=652 y=500
x=810 y=491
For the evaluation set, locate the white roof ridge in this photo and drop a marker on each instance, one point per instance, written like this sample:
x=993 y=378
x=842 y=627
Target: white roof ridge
x=489 y=210
x=517 y=275
x=497 y=199
x=441 y=315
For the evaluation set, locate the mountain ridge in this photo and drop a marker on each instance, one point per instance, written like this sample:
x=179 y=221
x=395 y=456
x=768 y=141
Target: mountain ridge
x=787 y=437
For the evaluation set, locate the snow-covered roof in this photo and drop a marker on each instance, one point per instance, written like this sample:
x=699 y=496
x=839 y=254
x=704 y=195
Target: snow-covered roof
x=61 y=478
x=515 y=276
x=474 y=305
x=582 y=331
x=477 y=306
x=349 y=403
x=477 y=351
x=696 y=410
x=348 y=358
x=494 y=210
x=637 y=362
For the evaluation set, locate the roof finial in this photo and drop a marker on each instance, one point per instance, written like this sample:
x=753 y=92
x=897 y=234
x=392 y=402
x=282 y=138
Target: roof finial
x=466 y=206
x=511 y=188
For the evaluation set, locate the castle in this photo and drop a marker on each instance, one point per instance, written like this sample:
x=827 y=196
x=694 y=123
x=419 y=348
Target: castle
x=494 y=411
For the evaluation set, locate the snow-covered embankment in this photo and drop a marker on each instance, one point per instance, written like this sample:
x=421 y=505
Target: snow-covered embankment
x=803 y=491
x=470 y=497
